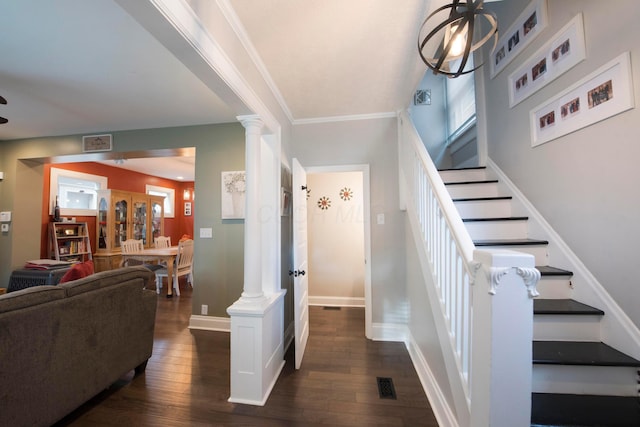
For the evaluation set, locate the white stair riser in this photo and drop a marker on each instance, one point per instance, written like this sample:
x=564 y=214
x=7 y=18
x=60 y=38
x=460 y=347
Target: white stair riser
x=598 y=380
x=484 y=208
x=497 y=229
x=549 y=327
x=553 y=287
x=459 y=191
x=539 y=252
x=464 y=175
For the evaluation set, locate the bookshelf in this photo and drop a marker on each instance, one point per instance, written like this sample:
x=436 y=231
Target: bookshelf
x=69 y=241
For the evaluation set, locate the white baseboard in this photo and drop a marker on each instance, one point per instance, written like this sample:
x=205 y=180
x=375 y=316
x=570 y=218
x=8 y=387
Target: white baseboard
x=389 y=332
x=210 y=323
x=442 y=411
x=336 y=301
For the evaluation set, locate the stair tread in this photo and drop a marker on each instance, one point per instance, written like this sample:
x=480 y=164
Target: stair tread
x=481 y=181
x=563 y=306
x=547 y=270
x=548 y=409
x=501 y=218
x=510 y=242
x=462 y=169
x=481 y=199
x=583 y=353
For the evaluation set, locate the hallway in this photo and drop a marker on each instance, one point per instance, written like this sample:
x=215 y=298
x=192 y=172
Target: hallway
x=187 y=380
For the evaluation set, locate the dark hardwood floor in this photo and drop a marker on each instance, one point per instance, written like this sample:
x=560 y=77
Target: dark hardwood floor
x=186 y=382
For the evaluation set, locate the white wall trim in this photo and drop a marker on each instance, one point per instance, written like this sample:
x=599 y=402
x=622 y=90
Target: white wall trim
x=331 y=119
x=235 y=23
x=210 y=323
x=392 y=332
x=442 y=411
x=336 y=301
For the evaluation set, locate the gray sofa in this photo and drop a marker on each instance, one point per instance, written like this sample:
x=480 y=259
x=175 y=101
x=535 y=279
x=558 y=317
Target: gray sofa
x=62 y=345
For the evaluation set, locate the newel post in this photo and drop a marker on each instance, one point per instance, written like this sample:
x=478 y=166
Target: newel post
x=501 y=364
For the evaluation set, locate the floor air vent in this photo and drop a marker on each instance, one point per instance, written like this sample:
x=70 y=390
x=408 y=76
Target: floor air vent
x=385 y=388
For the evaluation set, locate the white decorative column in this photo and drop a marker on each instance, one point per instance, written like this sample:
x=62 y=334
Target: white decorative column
x=257 y=319
x=252 y=231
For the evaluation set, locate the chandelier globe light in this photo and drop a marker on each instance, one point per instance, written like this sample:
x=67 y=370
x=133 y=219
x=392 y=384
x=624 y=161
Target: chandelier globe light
x=452 y=32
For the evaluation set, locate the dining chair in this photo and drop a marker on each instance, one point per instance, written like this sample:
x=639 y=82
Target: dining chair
x=131 y=246
x=183 y=267
x=162 y=242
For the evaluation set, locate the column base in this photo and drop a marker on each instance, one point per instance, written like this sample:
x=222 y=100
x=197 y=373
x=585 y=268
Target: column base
x=257 y=350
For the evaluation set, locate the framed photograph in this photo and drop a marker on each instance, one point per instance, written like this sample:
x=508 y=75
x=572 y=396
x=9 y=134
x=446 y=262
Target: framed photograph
x=94 y=143
x=561 y=53
x=233 y=194
x=523 y=31
x=187 y=208
x=422 y=97
x=602 y=94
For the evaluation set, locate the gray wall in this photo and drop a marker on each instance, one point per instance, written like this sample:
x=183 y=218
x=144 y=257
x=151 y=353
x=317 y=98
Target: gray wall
x=431 y=120
x=585 y=183
x=218 y=263
x=372 y=142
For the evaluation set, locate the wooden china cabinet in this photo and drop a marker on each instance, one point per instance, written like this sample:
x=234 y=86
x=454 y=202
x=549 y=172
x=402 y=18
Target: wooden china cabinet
x=124 y=215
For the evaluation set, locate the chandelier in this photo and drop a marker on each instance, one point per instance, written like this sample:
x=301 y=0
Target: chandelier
x=453 y=32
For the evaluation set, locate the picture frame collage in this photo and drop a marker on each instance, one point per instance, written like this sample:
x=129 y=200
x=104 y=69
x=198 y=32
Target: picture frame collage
x=602 y=94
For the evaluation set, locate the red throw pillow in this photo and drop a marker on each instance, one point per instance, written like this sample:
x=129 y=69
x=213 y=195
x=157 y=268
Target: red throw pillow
x=78 y=271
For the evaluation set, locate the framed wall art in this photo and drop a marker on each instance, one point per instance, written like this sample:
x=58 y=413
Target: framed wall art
x=523 y=31
x=233 y=194
x=94 y=143
x=602 y=94
x=561 y=53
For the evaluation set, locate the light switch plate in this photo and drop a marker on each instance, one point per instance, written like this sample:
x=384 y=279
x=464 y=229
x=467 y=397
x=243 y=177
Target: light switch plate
x=5 y=216
x=206 y=233
x=381 y=219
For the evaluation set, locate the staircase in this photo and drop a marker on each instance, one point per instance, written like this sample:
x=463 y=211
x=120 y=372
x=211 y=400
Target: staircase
x=577 y=379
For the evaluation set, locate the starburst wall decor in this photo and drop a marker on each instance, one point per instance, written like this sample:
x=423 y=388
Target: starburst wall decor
x=324 y=203
x=346 y=194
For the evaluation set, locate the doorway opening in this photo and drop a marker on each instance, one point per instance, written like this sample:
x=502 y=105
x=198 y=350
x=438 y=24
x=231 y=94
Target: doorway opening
x=338 y=234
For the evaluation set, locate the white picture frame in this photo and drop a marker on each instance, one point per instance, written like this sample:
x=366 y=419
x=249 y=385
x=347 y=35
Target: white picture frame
x=562 y=52
x=606 y=92
x=529 y=24
x=233 y=185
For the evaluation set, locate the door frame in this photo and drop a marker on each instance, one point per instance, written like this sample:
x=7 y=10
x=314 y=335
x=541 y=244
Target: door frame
x=364 y=168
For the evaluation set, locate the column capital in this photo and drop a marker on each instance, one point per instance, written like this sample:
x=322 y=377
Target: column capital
x=251 y=122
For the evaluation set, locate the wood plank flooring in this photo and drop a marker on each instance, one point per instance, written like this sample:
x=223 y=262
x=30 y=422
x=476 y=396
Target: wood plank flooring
x=186 y=382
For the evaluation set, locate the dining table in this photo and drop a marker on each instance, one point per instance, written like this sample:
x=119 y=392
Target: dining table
x=160 y=255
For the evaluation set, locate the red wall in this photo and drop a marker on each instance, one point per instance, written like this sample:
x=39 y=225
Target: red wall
x=121 y=179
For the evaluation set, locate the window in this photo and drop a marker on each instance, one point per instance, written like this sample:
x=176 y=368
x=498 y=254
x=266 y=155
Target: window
x=169 y=195
x=76 y=192
x=461 y=103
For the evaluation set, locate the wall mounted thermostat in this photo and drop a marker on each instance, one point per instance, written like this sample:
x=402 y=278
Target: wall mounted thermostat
x=5 y=216
x=4 y=228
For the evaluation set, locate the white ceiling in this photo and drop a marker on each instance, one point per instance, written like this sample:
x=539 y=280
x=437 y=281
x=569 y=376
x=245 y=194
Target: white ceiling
x=87 y=67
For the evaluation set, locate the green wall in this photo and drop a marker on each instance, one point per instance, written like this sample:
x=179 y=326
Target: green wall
x=218 y=262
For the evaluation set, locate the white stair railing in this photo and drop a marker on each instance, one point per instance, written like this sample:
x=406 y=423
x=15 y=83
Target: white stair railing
x=483 y=330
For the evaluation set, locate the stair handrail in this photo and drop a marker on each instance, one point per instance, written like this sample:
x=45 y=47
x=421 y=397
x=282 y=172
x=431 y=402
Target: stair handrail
x=448 y=246
x=485 y=335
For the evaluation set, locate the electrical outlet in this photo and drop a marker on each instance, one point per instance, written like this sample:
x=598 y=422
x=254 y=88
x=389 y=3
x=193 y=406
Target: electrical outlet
x=204 y=310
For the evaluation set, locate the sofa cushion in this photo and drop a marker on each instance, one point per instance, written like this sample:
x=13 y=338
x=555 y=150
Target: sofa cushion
x=78 y=271
x=105 y=279
x=29 y=297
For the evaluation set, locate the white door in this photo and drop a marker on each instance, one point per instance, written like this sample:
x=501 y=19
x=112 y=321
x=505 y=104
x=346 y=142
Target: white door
x=300 y=282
